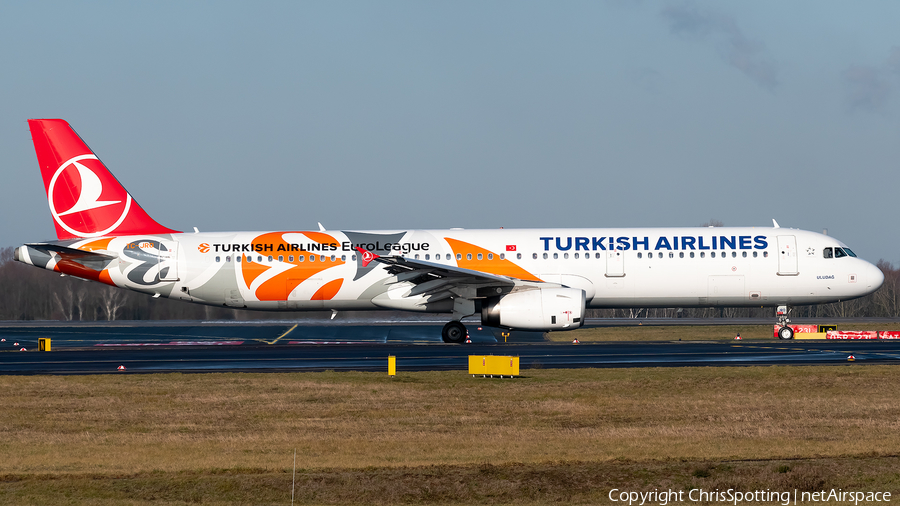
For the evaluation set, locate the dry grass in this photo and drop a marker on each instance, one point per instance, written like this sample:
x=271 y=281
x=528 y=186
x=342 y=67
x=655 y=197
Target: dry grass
x=184 y=429
x=505 y=484
x=688 y=332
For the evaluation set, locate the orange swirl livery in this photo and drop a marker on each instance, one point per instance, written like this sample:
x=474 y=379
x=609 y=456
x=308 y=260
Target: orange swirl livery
x=527 y=279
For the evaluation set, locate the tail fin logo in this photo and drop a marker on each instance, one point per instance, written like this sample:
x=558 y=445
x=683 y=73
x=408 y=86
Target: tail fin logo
x=81 y=204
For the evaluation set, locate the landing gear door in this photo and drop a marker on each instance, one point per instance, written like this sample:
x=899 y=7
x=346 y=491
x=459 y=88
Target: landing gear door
x=168 y=261
x=615 y=264
x=787 y=255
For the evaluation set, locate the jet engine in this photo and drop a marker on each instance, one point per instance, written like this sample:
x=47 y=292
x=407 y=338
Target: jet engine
x=536 y=309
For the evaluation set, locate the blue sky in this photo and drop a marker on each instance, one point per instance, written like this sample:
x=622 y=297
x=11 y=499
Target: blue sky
x=389 y=115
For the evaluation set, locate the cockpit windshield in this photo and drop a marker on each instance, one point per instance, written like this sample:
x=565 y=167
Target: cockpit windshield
x=837 y=252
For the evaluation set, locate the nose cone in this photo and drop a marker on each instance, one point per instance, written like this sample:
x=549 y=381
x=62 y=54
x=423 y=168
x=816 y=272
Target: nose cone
x=874 y=278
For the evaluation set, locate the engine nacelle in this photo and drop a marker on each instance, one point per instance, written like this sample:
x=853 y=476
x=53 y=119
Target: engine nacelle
x=539 y=309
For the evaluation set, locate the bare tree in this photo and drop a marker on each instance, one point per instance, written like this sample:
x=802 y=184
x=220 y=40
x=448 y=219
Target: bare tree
x=111 y=301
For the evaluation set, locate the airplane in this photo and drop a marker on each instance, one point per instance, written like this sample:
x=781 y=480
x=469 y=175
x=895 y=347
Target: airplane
x=523 y=279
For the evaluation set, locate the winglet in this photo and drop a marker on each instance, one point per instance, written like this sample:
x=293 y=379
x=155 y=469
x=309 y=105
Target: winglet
x=366 y=256
x=775 y=223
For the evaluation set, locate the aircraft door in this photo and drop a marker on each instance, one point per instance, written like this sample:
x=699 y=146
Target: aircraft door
x=615 y=264
x=787 y=255
x=726 y=290
x=168 y=261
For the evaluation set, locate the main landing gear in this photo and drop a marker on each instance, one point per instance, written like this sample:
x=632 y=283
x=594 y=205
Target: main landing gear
x=454 y=332
x=785 y=332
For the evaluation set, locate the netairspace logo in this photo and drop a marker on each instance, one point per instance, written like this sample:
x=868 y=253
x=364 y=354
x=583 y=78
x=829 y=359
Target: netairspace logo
x=735 y=497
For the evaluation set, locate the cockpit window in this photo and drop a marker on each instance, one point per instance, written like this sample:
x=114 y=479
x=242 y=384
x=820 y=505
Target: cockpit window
x=828 y=253
x=838 y=253
x=850 y=252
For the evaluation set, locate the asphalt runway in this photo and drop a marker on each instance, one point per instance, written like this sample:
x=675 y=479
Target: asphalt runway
x=284 y=346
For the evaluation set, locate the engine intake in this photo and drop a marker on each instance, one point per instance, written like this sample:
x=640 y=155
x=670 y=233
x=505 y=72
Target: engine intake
x=539 y=309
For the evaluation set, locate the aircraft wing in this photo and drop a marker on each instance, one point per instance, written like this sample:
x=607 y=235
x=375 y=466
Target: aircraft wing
x=435 y=282
x=418 y=272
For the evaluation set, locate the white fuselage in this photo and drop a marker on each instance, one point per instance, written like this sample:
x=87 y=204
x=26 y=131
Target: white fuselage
x=642 y=267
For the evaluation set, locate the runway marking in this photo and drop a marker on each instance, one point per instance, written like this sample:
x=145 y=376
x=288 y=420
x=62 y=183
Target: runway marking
x=175 y=343
x=282 y=335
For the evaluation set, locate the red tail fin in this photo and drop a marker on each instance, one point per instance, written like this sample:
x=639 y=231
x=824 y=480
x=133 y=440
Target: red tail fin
x=85 y=199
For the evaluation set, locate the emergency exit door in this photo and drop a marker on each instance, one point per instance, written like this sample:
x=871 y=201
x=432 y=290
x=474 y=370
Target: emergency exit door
x=615 y=264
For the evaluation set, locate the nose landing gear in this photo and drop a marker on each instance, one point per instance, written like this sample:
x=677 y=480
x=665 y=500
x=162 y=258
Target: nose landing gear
x=785 y=332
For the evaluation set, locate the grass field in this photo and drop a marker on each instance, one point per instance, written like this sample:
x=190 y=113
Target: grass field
x=444 y=437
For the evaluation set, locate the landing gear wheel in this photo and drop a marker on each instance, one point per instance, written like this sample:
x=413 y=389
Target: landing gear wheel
x=785 y=333
x=454 y=332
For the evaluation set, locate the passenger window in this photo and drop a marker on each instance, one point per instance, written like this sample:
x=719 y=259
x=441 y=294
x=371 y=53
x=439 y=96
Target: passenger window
x=744 y=254
x=702 y=254
x=281 y=258
x=597 y=255
x=353 y=258
x=458 y=256
x=480 y=256
x=322 y=258
x=838 y=253
x=766 y=254
x=639 y=254
x=217 y=259
x=649 y=255
x=448 y=256
x=301 y=258
x=259 y=258
x=576 y=256
x=249 y=259
x=555 y=256
x=545 y=256
x=290 y=258
x=671 y=254
x=681 y=254
x=534 y=256
x=565 y=255
x=692 y=254
x=227 y=259
x=468 y=256
x=237 y=259
x=734 y=254
x=427 y=256
x=712 y=254
x=754 y=254
x=490 y=256
x=312 y=258
x=270 y=258
x=343 y=258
